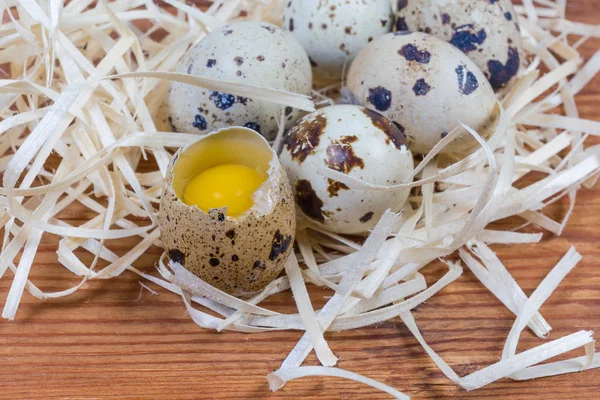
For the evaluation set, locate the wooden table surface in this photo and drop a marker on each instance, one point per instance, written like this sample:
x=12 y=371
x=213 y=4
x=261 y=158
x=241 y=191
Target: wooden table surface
x=112 y=340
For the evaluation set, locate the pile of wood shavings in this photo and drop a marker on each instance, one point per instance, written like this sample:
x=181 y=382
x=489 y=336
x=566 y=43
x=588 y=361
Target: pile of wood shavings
x=83 y=80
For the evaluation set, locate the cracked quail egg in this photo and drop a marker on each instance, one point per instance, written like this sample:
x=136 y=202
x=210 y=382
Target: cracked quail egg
x=227 y=211
x=333 y=32
x=427 y=87
x=485 y=30
x=357 y=142
x=250 y=52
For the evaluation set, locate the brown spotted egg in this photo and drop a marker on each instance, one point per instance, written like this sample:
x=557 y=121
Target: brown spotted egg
x=485 y=30
x=250 y=52
x=427 y=87
x=334 y=31
x=239 y=255
x=357 y=142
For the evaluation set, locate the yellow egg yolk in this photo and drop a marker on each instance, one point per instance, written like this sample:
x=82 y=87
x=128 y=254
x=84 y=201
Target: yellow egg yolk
x=228 y=185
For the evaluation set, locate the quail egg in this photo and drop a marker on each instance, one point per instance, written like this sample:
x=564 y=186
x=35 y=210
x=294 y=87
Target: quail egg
x=227 y=211
x=427 y=87
x=333 y=32
x=250 y=52
x=357 y=142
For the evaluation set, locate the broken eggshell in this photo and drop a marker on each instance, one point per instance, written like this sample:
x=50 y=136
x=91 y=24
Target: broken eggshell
x=238 y=255
x=332 y=33
x=248 y=52
x=427 y=87
x=486 y=31
x=357 y=142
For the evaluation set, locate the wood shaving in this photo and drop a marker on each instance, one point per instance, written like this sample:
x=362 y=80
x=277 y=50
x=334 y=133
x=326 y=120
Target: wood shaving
x=84 y=80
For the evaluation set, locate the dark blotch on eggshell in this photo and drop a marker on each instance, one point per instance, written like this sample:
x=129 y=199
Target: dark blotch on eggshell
x=305 y=136
x=259 y=265
x=333 y=187
x=421 y=87
x=308 y=201
x=190 y=68
x=446 y=18
x=227 y=32
x=230 y=234
x=279 y=245
x=401 y=25
x=238 y=60
x=341 y=156
x=177 y=256
x=260 y=58
x=367 y=217
x=380 y=97
x=393 y=130
x=200 y=122
x=269 y=28
x=214 y=262
x=467 y=39
x=254 y=126
x=235 y=258
x=211 y=63
x=222 y=100
x=508 y=16
x=500 y=74
x=221 y=217
x=401 y=4
x=412 y=53
x=467 y=82
x=173 y=127
x=291 y=25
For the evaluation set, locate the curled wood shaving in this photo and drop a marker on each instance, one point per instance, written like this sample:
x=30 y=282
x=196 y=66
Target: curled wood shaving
x=279 y=378
x=84 y=80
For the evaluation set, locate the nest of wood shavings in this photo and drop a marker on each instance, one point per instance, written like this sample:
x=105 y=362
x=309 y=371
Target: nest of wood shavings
x=83 y=80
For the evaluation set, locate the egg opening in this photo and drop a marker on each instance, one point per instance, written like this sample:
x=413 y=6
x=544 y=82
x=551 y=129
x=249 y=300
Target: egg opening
x=227 y=185
x=225 y=170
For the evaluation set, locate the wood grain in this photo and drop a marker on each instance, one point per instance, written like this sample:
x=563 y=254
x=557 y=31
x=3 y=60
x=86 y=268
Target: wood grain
x=112 y=340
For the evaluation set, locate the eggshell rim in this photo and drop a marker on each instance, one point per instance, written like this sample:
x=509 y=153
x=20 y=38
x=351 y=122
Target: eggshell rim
x=266 y=188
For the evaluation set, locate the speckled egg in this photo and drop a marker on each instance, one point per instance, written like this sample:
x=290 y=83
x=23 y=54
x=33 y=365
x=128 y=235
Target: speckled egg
x=485 y=30
x=250 y=52
x=239 y=255
x=427 y=87
x=357 y=142
x=333 y=32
